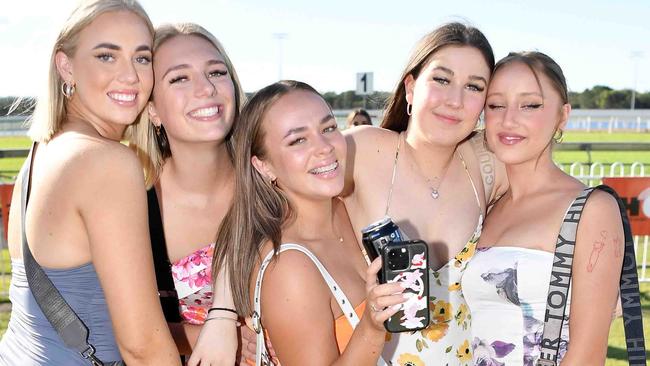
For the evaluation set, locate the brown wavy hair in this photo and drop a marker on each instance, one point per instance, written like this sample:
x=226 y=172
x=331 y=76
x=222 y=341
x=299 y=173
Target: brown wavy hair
x=452 y=34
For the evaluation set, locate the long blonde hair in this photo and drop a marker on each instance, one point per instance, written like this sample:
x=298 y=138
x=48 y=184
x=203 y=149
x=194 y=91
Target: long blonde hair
x=260 y=209
x=51 y=109
x=151 y=148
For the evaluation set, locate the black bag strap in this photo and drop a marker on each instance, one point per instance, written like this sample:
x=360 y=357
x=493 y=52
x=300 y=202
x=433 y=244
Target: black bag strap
x=561 y=280
x=58 y=312
x=162 y=265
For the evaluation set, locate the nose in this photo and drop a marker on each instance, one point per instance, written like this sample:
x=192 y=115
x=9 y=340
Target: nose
x=323 y=145
x=205 y=87
x=455 y=97
x=510 y=117
x=128 y=73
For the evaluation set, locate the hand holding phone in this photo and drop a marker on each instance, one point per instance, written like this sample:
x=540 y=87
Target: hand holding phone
x=406 y=262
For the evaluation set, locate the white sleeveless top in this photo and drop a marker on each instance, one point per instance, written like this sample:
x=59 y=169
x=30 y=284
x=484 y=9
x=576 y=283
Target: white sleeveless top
x=506 y=290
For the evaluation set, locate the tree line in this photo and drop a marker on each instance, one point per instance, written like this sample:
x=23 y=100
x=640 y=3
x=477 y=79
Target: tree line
x=598 y=97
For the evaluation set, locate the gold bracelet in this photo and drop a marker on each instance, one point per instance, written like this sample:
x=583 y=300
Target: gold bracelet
x=237 y=323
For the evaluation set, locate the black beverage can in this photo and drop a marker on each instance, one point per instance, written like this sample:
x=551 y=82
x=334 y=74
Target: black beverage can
x=378 y=234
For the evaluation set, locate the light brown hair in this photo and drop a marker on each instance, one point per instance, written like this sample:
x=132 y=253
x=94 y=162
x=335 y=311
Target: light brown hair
x=260 y=209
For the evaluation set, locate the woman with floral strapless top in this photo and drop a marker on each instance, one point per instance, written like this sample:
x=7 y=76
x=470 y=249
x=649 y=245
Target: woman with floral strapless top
x=507 y=283
x=185 y=148
x=425 y=171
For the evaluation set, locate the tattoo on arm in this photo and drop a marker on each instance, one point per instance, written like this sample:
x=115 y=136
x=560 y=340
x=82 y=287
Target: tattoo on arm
x=595 y=252
x=618 y=246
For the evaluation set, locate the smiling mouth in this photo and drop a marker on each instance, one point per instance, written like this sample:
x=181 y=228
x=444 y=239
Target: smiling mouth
x=448 y=119
x=325 y=169
x=207 y=112
x=123 y=97
x=510 y=139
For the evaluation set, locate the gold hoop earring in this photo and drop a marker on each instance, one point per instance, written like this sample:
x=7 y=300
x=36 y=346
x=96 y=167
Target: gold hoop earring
x=273 y=182
x=557 y=137
x=68 y=89
x=409 y=108
x=157 y=129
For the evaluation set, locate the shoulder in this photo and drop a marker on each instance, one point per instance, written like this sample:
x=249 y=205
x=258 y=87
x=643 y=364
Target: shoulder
x=371 y=137
x=602 y=206
x=293 y=278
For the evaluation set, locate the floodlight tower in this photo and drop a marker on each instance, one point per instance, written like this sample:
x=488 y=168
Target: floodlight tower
x=635 y=56
x=280 y=37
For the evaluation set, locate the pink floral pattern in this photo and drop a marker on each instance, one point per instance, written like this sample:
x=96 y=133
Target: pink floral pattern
x=193 y=282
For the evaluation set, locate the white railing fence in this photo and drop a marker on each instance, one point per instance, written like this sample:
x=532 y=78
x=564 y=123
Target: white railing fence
x=593 y=174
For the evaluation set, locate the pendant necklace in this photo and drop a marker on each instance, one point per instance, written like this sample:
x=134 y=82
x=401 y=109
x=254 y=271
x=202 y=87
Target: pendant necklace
x=435 y=193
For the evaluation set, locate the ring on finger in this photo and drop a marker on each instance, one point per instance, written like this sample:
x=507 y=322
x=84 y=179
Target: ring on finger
x=372 y=306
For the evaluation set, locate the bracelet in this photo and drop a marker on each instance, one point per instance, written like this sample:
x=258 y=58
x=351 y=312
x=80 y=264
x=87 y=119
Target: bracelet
x=237 y=323
x=223 y=309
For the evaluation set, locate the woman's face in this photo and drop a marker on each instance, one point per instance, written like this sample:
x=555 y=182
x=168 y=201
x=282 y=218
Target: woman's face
x=111 y=69
x=305 y=151
x=194 y=95
x=521 y=116
x=448 y=94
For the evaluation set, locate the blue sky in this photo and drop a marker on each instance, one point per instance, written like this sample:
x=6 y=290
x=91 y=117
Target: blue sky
x=328 y=42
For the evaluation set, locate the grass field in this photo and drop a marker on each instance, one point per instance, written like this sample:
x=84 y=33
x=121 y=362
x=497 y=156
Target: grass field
x=616 y=352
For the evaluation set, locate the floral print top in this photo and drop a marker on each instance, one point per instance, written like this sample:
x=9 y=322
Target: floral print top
x=193 y=282
x=446 y=341
x=506 y=290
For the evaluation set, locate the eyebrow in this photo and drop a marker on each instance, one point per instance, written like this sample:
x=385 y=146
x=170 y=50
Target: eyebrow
x=187 y=66
x=535 y=94
x=323 y=120
x=115 y=47
x=471 y=77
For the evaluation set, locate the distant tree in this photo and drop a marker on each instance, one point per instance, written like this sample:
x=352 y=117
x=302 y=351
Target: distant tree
x=615 y=99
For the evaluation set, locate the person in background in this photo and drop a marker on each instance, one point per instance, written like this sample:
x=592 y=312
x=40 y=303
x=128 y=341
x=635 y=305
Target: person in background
x=186 y=149
x=427 y=170
x=86 y=219
x=507 y=283
x=359 y=117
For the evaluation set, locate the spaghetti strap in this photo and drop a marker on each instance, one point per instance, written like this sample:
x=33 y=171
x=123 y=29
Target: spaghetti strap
x=478 y=200
x=392 y=179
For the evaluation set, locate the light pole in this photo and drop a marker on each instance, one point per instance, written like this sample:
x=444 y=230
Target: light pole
x=635 y=56
x=279 y=37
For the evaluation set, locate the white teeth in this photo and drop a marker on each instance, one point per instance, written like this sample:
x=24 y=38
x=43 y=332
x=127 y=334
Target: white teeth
x=122 y=97
x=512 y=138
x=205 y=112
x=325 y=169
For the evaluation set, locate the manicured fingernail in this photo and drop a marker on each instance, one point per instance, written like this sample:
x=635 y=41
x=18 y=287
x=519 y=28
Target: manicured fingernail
x=408 y=295
x=396 y=307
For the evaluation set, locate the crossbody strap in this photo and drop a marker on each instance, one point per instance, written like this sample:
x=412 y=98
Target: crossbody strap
x=261 y=357
x=561 y=280
x=58 y=312
x=164 y=280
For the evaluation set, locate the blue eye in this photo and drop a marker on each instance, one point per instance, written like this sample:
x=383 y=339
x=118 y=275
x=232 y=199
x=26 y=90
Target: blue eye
x=476 y=88
x=144 y=60
x=105 y=57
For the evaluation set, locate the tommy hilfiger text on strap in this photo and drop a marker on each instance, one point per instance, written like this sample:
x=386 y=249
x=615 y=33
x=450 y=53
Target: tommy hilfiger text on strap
x=561 y=279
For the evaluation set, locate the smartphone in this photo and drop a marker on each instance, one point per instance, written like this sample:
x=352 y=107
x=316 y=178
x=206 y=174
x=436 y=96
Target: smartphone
x=408 y=262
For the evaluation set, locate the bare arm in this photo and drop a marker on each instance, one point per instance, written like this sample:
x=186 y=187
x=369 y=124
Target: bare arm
x=113 y=208
x=297 y=314
x=596 y=271
x=218 y=340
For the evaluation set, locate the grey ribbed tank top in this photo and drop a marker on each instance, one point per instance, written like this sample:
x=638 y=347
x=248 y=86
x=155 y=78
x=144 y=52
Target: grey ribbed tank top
x=30 y=340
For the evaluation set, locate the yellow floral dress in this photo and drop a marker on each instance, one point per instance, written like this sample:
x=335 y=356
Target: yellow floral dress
x=447 y=339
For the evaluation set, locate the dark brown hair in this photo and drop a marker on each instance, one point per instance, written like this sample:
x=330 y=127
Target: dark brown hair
x=452 y=34
x=259 y=209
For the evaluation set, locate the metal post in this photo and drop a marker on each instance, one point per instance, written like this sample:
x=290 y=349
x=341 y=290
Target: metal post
x=279 y=37
x=635 y=56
